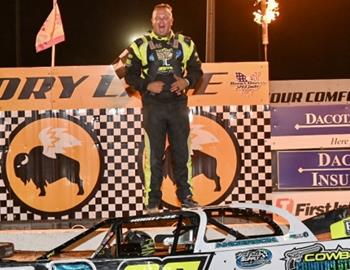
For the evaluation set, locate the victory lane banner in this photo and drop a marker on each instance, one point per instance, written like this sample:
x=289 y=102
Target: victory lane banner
x=85 y=163
x=75 y=87
x=71 y=141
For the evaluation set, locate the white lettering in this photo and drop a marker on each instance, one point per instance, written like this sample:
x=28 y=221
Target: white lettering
x=325 y=159
x=310 y=118
x=328 y=119
x=330 y=180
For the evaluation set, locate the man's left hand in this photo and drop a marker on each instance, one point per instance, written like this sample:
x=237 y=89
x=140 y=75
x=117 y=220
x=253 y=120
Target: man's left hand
x=179 y=85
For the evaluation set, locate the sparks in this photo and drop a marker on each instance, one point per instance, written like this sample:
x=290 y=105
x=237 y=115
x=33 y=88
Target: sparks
x=270 y=14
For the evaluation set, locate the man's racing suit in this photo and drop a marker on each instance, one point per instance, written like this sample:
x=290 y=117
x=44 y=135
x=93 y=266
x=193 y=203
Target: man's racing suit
x=154 y=58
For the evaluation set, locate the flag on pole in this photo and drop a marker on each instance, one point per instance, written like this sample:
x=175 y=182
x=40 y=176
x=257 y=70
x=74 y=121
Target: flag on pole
x=51 y=32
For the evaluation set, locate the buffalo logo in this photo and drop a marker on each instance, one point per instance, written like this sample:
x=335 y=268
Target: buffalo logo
x=53 y=164
x=215 y=162
x=47 y=164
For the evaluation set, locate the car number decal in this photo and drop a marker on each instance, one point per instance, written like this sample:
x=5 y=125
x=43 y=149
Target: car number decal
x=193 y=262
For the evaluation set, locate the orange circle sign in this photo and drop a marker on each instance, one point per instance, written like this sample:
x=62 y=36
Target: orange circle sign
x=215 y=159
x=215 y=163
x=53 y=164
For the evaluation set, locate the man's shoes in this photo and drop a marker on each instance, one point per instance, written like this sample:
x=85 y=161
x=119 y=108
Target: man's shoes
x=189 y=203
x=152 y=208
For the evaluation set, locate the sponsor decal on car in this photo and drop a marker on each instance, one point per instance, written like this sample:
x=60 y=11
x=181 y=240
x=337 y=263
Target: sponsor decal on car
x=79 y=264
x=194 y=262
x=317 y=257
x=298 y=235
x=247 y=242
x=347 y=226
x=144 y=219
x=253 y=258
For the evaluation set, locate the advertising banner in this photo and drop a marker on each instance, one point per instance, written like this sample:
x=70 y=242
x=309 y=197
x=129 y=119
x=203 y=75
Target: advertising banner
x=309 y=142
x=305 y=127
x=318 y=120
x=76 y=87
x=317 y=169
x=309 y=92
x=71 y=141
x=306 y=204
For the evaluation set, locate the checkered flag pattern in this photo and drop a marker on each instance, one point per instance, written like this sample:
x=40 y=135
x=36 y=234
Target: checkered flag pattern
x=120 y=134
x=250 y=124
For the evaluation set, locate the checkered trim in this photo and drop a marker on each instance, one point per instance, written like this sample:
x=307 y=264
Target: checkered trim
x=251 y=127
x=120 y=134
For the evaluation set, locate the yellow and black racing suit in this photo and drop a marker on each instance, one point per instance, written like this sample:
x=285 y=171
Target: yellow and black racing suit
x=154 y=58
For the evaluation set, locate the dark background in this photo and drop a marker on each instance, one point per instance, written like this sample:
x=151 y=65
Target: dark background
x=309 y=40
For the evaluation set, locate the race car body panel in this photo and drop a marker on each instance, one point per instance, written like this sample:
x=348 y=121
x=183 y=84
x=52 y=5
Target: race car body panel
x=230 y=237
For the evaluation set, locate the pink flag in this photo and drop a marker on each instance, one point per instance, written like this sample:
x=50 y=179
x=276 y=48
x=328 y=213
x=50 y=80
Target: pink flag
x=51 y=31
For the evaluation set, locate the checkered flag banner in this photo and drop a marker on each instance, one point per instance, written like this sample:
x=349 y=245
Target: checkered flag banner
x=120 y=134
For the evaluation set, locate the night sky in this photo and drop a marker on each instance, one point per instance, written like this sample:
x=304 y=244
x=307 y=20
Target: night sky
x=309 y=40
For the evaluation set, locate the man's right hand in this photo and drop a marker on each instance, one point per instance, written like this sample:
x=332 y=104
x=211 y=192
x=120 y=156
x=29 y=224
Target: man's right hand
x=155 y=87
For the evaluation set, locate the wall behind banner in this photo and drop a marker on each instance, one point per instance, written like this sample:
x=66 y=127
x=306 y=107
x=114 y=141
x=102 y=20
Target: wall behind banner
x=71 y=141
x=310 y=145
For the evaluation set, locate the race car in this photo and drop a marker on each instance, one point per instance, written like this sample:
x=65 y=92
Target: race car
x=229 y=237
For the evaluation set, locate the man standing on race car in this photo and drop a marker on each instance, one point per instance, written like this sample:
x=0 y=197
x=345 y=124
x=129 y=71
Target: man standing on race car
x=162 y=65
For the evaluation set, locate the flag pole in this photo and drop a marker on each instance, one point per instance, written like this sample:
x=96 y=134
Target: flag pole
x=53 y=52
x=265 y=31
x=210 y=32
x=267 y=13
x=53 y=48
